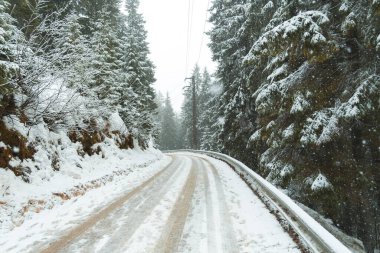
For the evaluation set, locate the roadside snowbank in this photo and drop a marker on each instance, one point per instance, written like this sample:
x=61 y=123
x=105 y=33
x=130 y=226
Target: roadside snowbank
x=40 y=229
x=60 y=170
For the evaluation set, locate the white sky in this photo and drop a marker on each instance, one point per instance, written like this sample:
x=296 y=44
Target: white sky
x=166 y=23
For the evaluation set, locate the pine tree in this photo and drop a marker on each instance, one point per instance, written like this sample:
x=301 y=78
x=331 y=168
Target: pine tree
x=74 y=52
x=140 y=72
x=94 y=11
x=210 y=121
x=237 y=112
x=106 y=46
x=300 y=87
x=169 y=129
x=187 y=110
x=204 y=91
x=10 y=36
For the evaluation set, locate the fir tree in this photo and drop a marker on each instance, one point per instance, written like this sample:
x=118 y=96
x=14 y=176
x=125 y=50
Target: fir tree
x=169 y=129
x=10 y=36
x=300 y=90
x=236 y=112
x=187 y=110
x=139 y=72
x=74 y=52
x=210 y=121
x=94 y=10
x=106 y=46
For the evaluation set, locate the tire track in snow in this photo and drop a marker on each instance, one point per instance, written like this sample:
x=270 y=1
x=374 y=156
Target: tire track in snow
x=194 y=237
x=228 y=239
x=141 y=210
x=220 y=232
x=171 y=236
x=60 y=244
x=183 y=208
x=128 y=218
x=210 y=217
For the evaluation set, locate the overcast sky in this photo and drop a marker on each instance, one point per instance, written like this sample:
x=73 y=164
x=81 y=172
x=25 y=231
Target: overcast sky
x=166 y=23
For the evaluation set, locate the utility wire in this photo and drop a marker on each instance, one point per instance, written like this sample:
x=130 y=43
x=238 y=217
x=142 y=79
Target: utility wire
x=204 y=31
x=190 y=11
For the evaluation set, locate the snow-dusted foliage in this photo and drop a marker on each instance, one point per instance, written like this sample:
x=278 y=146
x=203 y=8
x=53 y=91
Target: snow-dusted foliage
x=306 y=29
x=231 y=40
x=320 y=183
x=320 y=128
x=139 y=72
x=208 y=122
x=301 y=98
x=68 y=106
x=74 y=65
x=64 y=85
x=169 y=138
x=10 y=36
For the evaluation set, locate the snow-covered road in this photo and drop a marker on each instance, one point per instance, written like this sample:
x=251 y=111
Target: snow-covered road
x=193 y=204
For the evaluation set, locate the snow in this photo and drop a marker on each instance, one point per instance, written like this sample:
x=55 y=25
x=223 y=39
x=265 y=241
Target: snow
x=255 y=136
x=349 y=23
x=300 y=104
x=288 y=132
x=317 y=38
x=253 y=228
x=309 y=20
x=354 y=244
x=277 y=72
x=221 y=121
x=286 y=170
x=344 y=7
x=21 y=200
x=320 y=183
x=320 y=128
x=360 y=102
x=277 y=169
x=8 y=66
x=117 y=124
x=13 y=123
x=2 y=145
x=267 y=7
x=149 y=232
x=60 y=215
x=312 y=225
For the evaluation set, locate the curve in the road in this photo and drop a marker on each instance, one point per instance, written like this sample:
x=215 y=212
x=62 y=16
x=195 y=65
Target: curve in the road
x=182 y=208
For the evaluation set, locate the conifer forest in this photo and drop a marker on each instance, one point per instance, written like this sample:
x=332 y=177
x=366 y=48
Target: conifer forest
x=295 y=96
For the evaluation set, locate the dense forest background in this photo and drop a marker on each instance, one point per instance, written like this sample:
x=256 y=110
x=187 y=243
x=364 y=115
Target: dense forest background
x=67 y=63
x=296 y=96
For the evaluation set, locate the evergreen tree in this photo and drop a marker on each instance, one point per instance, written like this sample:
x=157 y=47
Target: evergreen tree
x=236 y=112
x=300 y=90
x=204 y=91
x=94 y=10
x=169 y=129
x=106 y=47
x=140 y=72
x=74 y=52
x=10 y=37
x=210 y=121
x=187 y=109
x=24 y=11
x=157 y=117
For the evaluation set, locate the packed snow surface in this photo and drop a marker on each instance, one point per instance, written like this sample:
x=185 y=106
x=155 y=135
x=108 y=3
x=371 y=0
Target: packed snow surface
x=179 y=203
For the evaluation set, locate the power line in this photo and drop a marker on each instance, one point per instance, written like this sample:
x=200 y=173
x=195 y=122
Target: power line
x=190 y=11
x=204 y=31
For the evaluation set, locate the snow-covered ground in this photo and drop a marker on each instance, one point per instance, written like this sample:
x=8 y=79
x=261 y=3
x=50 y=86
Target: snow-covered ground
x=180 y=203
x=57 y=214
x=76 y=173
